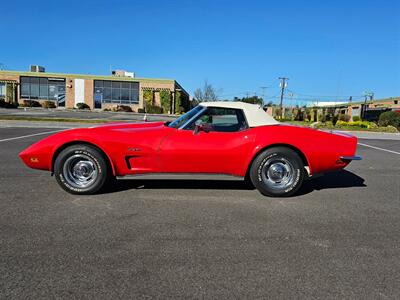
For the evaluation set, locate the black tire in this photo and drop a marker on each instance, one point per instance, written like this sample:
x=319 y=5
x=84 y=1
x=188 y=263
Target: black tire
x=81 y=169
x=277 y=172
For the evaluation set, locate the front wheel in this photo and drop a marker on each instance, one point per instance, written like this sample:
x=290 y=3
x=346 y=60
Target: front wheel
x=81 y=169
x=277 y=172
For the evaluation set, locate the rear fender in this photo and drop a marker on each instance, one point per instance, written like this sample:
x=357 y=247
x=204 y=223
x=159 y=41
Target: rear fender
x=260 y=148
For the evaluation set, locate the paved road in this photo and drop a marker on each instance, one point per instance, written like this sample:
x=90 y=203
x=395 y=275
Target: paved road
x=339 y=238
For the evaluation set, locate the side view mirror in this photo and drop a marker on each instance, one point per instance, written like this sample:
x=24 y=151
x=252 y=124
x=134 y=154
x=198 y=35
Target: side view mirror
x=202 y=127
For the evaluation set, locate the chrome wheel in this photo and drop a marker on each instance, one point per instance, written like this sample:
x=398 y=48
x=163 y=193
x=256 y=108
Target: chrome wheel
x=278 y=173
x=80 y=171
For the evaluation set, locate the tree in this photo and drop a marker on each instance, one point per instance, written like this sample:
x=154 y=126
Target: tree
x=251 y=100
x=206 y=93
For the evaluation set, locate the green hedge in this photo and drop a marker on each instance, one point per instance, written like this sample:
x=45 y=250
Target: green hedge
x=154 y=109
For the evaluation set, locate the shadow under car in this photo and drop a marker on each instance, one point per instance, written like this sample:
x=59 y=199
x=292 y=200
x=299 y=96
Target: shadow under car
x=337 y=179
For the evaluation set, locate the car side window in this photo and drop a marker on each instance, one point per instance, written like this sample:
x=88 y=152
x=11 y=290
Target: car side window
x=221 y=120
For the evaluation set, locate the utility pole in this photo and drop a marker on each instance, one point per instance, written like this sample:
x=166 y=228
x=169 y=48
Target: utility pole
x=263 y=93
x=283 y=85
x=367 y=95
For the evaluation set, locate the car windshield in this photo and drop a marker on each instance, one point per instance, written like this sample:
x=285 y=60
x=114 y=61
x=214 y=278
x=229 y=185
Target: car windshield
x=184 y=118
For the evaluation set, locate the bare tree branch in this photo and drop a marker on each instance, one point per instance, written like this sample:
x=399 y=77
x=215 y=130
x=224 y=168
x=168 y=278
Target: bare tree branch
x=206 y=93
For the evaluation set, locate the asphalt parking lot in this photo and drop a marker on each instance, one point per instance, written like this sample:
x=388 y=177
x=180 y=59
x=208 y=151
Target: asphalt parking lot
x=338 y=238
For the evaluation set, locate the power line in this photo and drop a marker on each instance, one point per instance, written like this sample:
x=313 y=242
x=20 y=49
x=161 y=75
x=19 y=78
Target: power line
x=322 y=96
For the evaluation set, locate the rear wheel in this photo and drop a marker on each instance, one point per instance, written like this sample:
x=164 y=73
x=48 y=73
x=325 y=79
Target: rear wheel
x=81 y=169
x=277 y=172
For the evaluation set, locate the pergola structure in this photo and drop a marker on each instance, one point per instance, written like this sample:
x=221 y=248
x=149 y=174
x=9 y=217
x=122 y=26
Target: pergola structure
x=11 y=89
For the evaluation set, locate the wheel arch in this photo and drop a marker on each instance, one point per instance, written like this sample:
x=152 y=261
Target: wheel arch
x=303 y=157
x=64 y=146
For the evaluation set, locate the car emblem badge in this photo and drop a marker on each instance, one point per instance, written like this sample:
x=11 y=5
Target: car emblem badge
x=134 y=149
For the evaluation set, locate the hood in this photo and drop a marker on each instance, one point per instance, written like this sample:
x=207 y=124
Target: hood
x=119 y=125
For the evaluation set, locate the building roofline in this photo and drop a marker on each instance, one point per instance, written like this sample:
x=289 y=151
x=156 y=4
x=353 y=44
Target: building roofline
x=86 y=76
x=362 y=102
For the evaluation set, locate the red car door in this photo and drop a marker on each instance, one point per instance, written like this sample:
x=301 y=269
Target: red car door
x=206 y=152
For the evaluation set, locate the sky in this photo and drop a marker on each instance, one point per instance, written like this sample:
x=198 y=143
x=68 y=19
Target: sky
x=329 y=50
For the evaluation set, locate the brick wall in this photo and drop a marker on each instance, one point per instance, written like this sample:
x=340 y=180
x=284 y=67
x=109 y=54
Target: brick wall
x=69 y=92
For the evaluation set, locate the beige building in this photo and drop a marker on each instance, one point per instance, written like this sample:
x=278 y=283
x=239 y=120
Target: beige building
x=98 y=92
x=367 y=110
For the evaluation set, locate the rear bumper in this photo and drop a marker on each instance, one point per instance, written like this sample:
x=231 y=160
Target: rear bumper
x=350 y=158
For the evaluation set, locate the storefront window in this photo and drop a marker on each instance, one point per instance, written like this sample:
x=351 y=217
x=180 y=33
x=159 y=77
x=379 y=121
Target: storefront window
x=116 y=91
x=43 y=88
x=2 y=90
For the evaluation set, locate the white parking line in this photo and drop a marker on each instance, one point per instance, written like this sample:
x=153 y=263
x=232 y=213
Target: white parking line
x=29 y=135
x=377 y=148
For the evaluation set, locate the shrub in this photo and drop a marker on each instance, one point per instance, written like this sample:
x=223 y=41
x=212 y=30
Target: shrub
x=341 y=123
x=48 y=104
x=124 y=108
x=141 y=110
x=391 y=118
x=106 y=109
x=329 y=124
x=165 y=100
x=344 y=118
x=148 y=97
x=299 y=116
x=31 y=103
x=154 y=109
x=356 y=119
x=277 y=112
x=362 y=124
x=5 y=104
x=178 y=102
x=389 y=128
x=358 y=124
x=82 y=105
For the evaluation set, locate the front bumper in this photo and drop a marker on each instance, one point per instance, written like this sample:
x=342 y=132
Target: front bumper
x=350 y=158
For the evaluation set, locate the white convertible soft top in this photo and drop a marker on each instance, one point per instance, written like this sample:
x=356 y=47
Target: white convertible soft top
x=254 y=113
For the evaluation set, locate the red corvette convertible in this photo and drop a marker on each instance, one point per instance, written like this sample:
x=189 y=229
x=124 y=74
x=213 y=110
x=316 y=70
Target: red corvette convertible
x=230 y=138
